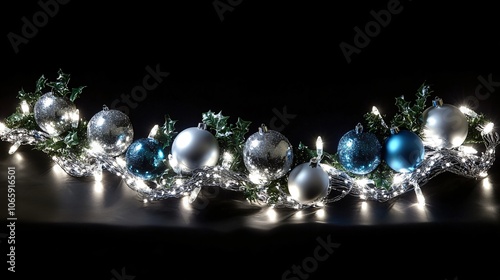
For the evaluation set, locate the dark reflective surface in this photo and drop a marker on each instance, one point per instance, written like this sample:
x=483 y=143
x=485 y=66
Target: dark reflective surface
x=278 y=64
x=62 y=218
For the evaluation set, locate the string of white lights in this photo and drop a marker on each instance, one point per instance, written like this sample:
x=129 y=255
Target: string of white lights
x=465 y=161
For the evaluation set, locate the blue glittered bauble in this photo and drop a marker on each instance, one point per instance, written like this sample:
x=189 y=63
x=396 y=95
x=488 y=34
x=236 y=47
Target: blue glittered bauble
x=359 y=152
x=145 y=158
x=403 y=151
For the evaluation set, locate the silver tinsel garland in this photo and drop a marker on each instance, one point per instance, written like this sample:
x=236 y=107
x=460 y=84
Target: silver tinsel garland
x=463 y=161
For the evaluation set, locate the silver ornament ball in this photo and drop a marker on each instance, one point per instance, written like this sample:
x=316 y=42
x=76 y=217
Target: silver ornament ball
x=445 y=126
x=54 y=114
x=308 y=182
x=267 y=155
x=194 y=148
x=110 y=132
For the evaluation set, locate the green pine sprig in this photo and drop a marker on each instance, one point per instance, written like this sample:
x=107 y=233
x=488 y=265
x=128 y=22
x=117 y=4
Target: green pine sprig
x=409 y=116
x=166 y=133
x=231 y=137
x=74 y=141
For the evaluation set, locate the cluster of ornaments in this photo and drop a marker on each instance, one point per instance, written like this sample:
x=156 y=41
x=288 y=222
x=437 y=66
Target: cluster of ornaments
x=267 y=154
x=444 y=127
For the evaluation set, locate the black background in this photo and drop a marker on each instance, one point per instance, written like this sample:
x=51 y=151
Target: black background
x=262 y=57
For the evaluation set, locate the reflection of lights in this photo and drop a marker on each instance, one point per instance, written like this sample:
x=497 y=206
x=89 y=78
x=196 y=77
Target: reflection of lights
x=321 y=213
x=299 y=215
x=483 y=174
x=98 y=187
x=272 y=215
x=486 y=184
x=18 y=157
x=364 y=206
x=186 y=204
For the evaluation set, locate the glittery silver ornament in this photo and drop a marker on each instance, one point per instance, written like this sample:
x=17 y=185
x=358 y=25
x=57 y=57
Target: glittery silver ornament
x=267 y=155
x=110 y=132
x=308 y=182
x=445 y=126
x=194 y=148
x=55 y=114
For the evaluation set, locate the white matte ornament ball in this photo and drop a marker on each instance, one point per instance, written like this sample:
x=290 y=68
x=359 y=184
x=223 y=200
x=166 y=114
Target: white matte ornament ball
x=54 y=114
x=308 y=182
x=110 y=131
x=445 y=126
x=194 y=148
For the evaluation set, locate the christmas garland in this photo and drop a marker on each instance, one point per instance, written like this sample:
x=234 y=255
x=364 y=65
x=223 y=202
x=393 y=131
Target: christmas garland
x=376 y=160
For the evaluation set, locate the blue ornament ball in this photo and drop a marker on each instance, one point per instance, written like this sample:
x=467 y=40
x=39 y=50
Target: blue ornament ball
x=359 y=152
x=403 y=151
x=145 y=158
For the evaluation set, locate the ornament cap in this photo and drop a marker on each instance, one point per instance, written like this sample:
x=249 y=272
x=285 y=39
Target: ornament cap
x=263 y=129
x=314 y=162
x=437 y=102
x=105 y=108
x=202 y=126
x=394 y=130
x=359 y=128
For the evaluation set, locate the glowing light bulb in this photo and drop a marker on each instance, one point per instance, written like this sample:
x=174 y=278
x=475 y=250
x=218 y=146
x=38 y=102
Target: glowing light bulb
x=319 y=147
x=153 y=131
x=420 y=195
x=75 y=118
x=466 y=111
x=488 y=128
x=98 y=173
x=14 y=148
x=25 y=108
x=3 y=128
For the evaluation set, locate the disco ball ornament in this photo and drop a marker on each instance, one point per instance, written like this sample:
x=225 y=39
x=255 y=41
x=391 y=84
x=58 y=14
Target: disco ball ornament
x=445 y=126
x=145 y=158
x=267 y=155
x=55 y=114
x=110 y=132
x=194 y=148
x=308 y=182
x=359 y=152
x=403 y=150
